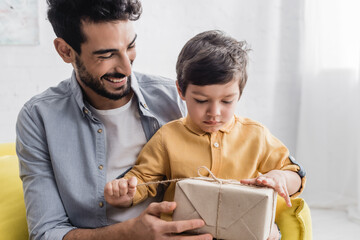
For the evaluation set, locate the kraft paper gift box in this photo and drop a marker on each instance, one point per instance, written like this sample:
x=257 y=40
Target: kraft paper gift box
x=230 y=210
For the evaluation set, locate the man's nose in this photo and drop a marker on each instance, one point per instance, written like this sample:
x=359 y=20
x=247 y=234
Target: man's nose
x=123 y=65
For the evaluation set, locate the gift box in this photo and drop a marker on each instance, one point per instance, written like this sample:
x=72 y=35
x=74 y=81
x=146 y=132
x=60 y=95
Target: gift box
x=230 y=210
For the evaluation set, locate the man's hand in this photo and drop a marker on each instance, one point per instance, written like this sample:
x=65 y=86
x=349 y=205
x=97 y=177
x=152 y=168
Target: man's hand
x=120 y=192
x=275 y=179
x=149 y=226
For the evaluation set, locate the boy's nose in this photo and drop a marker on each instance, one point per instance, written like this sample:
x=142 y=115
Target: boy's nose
x=214 y=110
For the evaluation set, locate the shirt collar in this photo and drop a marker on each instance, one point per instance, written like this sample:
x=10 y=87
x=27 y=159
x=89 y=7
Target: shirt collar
x=137 y=92
x=77 y=92
x=226 y=128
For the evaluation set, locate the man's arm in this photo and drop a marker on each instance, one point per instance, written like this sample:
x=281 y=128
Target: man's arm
x=46 y=216
x=147 y=226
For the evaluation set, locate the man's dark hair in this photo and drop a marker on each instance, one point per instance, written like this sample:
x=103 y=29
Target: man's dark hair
x=66 y=16
x=212 y=57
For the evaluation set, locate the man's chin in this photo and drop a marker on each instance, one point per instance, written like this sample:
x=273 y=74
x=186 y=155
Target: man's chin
x=116 y=95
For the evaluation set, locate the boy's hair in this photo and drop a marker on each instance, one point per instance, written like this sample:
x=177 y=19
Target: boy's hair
x=66 y=16
x=212 y=57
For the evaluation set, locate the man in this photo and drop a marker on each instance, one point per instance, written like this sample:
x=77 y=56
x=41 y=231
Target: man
x=73 y=138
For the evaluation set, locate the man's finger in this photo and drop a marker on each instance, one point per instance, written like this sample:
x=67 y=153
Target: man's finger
x=156 y=209
x=182 y=226
x=191 y=237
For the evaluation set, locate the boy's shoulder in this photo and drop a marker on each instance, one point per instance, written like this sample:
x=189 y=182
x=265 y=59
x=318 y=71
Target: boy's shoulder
x=173 y=125
x=247 y=123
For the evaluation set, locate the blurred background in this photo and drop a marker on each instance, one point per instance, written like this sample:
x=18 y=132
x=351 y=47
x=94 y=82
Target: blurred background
x=304 y=81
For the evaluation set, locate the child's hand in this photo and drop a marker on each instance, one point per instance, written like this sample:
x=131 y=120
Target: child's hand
x=274 y=179
x=274 y=234
x=120 y=192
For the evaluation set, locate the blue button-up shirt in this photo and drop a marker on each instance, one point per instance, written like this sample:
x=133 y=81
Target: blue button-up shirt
x=62 y=153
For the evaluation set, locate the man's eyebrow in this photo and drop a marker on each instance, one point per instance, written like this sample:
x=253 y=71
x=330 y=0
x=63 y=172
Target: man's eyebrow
x=132 y=42
x=103 y=51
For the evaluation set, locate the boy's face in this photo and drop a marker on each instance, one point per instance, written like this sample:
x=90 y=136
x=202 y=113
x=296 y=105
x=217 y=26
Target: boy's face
x=212 y=106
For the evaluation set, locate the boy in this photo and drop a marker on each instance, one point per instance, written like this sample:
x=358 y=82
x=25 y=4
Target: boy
x=211 y=73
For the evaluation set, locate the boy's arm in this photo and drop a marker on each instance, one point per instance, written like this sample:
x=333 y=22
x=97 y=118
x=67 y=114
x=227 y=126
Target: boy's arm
x=152 y=165
x=284 y=182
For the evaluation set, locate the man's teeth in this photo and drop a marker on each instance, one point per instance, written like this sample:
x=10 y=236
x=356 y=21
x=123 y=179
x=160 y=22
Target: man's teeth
x=115 y=80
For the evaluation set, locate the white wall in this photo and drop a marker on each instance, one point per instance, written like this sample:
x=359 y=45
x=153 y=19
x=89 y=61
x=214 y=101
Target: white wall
x=271 y=27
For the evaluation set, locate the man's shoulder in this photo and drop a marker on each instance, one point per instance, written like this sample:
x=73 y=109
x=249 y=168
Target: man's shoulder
x=161 y=96
x=61 y=91
x=149 y=80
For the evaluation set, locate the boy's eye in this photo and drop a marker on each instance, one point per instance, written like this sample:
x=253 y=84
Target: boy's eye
x=227 y=102
x=106 y=56
x=200 y=101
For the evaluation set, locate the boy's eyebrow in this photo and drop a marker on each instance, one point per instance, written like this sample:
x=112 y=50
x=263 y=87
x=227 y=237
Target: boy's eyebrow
x=103 y=51
x=202 y=94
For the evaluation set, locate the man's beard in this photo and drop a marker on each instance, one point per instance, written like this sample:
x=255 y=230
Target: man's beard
x=96 y=85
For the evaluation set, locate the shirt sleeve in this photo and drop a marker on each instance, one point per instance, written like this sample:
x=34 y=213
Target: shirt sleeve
x=152 y=165
x=46 y=216
x=276 y=156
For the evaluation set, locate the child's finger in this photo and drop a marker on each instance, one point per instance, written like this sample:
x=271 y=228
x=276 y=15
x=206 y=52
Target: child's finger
x=132 y=186
x=123 y=187
x=251 y=181
x=115 y=188
x=108 y=190
x=287 y=197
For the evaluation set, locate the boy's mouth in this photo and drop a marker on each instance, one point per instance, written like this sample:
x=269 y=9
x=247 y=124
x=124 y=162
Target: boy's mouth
x=210 y=122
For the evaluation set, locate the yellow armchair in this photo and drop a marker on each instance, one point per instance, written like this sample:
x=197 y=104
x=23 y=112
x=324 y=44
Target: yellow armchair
x=294 y=222
x=12 y=207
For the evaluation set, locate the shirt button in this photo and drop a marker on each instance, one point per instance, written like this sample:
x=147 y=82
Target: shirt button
x=101 y=167
x=100 y=130
x=101 y=204
x=216 y=145
x=145 y=106
x=86 y=111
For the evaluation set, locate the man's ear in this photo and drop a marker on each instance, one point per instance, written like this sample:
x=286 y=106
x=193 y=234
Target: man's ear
x=179 y=90
x=66 y=52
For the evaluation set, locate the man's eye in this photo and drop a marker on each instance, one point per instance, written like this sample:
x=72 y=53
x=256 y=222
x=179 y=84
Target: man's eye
x=132 y=46
x=106 y=56
x=200 y=101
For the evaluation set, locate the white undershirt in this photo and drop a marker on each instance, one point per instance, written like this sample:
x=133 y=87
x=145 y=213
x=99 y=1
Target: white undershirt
x=125 y=138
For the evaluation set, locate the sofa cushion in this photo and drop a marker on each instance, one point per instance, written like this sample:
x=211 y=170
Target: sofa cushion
x=7 y=149
x=12 y=207
x=294 y=222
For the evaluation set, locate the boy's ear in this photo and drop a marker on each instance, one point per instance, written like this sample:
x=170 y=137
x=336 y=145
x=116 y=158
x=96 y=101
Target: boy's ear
x=179 y=90
x=64 y=50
